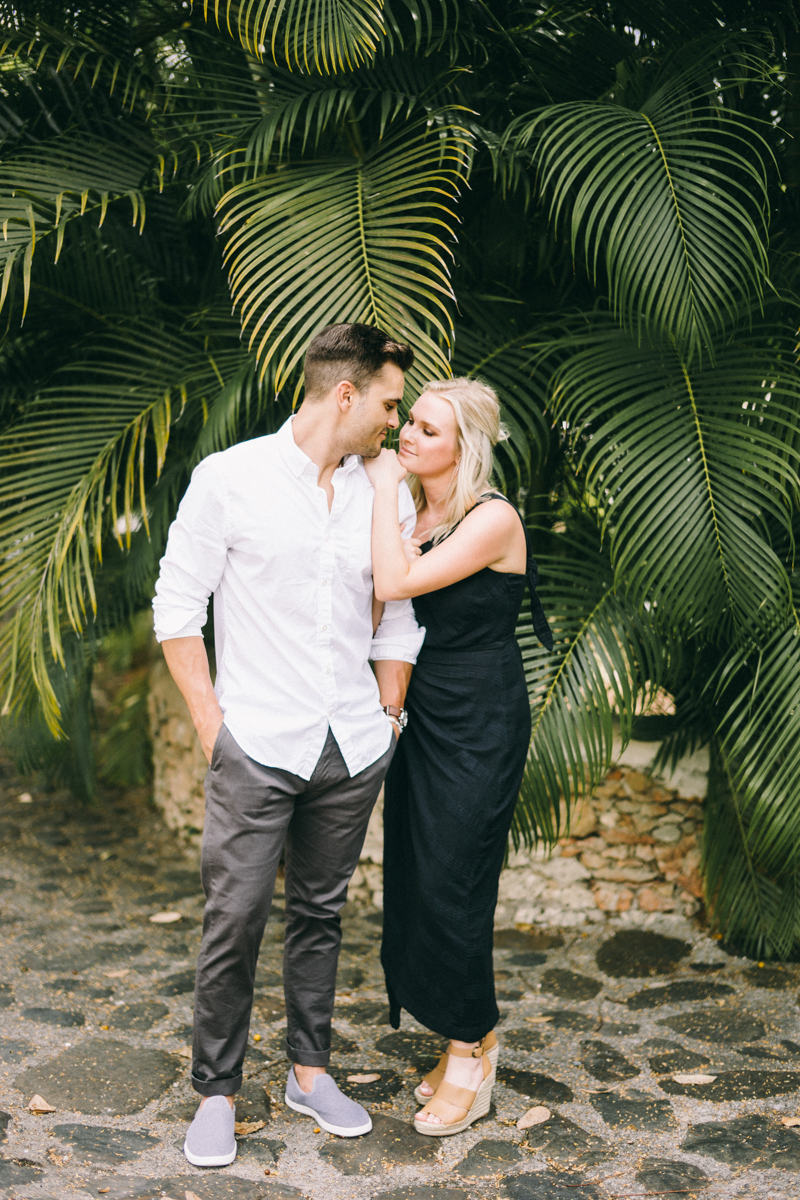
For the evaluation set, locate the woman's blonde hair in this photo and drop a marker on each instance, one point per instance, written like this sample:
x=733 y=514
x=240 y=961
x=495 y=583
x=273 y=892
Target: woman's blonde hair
x=478 y=430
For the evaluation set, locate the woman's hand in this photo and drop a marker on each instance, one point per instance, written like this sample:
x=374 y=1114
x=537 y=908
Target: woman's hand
x=386 y=468
x=411 y=548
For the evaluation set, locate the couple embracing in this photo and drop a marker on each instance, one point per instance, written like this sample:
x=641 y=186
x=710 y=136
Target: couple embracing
x=322 y=558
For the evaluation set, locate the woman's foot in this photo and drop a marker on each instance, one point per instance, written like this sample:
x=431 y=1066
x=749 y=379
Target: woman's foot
x=461 y=1072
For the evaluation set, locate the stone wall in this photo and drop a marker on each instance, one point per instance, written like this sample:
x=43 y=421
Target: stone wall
x=632 y=849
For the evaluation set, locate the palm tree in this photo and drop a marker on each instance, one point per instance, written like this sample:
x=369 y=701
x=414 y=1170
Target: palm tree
x=572 y=202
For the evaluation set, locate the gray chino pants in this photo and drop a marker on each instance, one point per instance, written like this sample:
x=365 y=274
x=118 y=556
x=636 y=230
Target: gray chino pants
x=251 y=811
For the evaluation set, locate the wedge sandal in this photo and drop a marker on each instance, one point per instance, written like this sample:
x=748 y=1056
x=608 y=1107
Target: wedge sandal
x=467 y=1105
x=435 y=1077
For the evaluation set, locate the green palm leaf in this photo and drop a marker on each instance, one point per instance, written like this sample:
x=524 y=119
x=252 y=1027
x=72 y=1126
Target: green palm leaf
x=42 y=190
x=489 y=350
x=608 y=658
x=753 y=900
x=327 y=37
x=75 y=468
x=348 y=239
x=687 y=468
x=671 y=198
x=759 y=692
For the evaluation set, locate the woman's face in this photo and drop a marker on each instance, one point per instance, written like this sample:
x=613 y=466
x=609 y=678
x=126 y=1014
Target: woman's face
x=429 y=438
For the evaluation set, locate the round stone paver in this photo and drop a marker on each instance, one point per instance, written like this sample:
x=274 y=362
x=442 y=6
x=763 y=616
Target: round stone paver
x=744 y=1142
x=539 y=1089
x=54 y=1016
x=679 y=993
x=637 y=953
x=94 y=1144
x=715 y=1025
x=606 y=1063
x=569 y=985
x=138 y=1016
x=391 y=1143
x=546 y=1185
x=489 y=1157
x=102 y=1076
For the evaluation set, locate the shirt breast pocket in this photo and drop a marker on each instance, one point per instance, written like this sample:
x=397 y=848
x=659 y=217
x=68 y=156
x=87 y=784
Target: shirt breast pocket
x=354 y=562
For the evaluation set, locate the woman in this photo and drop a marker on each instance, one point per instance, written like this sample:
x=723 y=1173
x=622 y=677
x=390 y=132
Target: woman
x=453 y=784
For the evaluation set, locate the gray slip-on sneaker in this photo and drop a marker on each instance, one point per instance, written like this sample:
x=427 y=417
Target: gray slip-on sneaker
x=210 y=1140
x=329 y=1107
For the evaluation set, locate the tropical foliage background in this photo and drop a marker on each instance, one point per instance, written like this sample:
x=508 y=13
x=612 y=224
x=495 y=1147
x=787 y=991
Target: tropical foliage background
x=593 y=205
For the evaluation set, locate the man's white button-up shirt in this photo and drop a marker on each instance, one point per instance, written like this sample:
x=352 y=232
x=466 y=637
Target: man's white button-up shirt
x=292 y=587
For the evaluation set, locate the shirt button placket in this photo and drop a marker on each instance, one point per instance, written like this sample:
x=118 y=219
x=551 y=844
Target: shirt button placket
x=325 y=612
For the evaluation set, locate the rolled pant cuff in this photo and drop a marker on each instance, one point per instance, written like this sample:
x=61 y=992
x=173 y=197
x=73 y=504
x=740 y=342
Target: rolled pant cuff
x=217 y=1087
x=308 y=1058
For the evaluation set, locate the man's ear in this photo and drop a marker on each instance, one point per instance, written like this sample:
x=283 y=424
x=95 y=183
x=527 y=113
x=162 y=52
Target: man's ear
x=345 y=395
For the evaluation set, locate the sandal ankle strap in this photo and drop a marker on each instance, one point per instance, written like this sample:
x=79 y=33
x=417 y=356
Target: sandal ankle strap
x=473 y=1052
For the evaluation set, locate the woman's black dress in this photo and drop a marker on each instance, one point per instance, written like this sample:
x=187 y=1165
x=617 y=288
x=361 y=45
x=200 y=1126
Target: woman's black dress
x=449 y=800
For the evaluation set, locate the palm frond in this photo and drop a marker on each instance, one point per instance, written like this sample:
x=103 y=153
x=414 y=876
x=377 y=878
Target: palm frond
x=607 y=658
x=326 y=38
x=760 y=738
x=486 y=349
x=42 y=190
x=756 y=907
x=75 y=468
x=348 y=239
x=687 y=466
x=671 y=198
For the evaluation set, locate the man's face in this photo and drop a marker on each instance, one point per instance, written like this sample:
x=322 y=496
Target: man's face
x=374 y=412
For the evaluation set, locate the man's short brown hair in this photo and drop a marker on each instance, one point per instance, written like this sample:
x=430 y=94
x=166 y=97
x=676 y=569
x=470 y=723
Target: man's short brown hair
x=353 y=352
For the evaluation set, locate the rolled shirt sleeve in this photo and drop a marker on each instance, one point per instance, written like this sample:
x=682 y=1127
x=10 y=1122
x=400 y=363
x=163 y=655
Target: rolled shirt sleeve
x=399 y=637
x=194 y=560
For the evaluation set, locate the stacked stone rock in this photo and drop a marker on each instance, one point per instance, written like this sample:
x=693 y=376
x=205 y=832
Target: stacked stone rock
x=643 y=852
x=633 y=848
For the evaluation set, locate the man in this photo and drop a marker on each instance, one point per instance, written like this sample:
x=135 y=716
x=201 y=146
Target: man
x=278 y=529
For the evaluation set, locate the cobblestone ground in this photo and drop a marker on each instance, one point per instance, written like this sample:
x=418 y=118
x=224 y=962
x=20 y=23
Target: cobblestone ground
x=96 y=1004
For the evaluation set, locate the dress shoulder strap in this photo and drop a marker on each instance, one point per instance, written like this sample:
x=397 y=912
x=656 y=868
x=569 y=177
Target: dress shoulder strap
x=540 y=624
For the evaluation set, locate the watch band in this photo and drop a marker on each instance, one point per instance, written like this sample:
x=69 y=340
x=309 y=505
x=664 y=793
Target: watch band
x=398 y=715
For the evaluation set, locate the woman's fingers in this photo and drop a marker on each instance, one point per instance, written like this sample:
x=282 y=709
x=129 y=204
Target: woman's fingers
x=384 y=467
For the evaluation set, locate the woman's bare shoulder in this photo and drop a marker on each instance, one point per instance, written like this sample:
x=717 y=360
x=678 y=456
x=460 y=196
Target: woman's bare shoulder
x=493 y=510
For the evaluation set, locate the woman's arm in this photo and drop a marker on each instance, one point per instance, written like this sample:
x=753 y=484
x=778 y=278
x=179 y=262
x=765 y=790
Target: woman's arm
x=491 y=536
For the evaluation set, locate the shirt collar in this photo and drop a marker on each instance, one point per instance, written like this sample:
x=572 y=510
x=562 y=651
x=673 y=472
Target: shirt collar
x=298 y=461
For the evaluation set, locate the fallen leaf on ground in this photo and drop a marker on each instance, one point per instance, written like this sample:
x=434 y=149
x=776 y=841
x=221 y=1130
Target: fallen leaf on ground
x=790 y=1122
x=245 y=1127
x=694 y=1078
x=362 y=1078
x=190 y=1196
x=25 y=798
x=165 y=918
x=102 y=1191
x=534 y=1116
x=538 y=1020
x=59 y=1159
x=184 y=1052
x=117 y=974
x=39 y=1105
